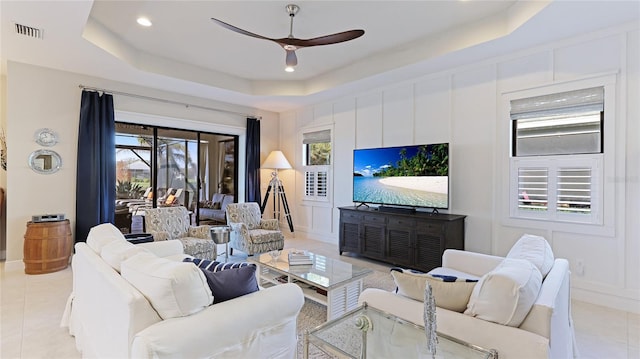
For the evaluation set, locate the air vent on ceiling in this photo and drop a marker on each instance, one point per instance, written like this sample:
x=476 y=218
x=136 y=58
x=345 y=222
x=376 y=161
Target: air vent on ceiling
x=29 y=31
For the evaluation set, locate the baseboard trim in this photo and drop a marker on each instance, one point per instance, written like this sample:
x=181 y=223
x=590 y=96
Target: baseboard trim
x=322 y=237
x=606 y=300
x=17 y=265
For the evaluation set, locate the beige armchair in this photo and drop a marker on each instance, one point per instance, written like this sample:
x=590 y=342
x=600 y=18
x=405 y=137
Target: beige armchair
x=173 y=223
x=249 y=232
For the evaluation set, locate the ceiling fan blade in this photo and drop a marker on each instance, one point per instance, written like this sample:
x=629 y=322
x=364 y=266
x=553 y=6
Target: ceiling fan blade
x=322 y=40
x=292 y=59
x=240 y=31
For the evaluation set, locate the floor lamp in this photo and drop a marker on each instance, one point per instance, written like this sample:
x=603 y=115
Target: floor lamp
x=276 y=161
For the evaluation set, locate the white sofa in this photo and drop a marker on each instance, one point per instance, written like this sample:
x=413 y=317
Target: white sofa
x=110 y=318
x=546 y=332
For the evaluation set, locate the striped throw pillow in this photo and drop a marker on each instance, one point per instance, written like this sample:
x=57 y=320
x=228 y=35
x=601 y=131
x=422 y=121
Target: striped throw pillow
x=214 y=266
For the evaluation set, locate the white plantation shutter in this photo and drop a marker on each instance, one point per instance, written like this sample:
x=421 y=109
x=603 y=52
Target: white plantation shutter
x=560 y=188
x=316 y=183
x=574 y=190
x=310 y=183
x=533 y=188
x=322 y=184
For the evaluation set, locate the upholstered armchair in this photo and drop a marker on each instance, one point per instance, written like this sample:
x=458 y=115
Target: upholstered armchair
x=249 y=232
x=173 y=223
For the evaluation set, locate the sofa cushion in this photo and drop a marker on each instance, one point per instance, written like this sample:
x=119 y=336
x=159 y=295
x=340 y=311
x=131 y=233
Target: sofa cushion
x=449 y=292
x=214 y=266
x=116 y=252
x=174 y=289
x=103 y=234
x=231 y=283
x=505 y=295
x=536 y=250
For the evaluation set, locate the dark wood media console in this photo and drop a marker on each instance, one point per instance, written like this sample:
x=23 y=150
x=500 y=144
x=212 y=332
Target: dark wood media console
x=409 y=240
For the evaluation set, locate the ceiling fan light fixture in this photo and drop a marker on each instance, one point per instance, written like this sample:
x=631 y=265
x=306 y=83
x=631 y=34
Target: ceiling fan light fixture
x=144 y=21
x=289 y=69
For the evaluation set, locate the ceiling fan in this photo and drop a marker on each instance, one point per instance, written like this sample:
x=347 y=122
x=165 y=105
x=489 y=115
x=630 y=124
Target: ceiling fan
x=290 y=44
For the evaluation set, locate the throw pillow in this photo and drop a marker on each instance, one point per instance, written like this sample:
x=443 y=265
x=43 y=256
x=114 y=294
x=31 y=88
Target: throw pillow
x=449 y=292
x=216 y=205
x=117 y=252
x=214 y=266
x=103 y=234
x=174 y=289
x=536 y=250
x=506 y=294
x=231 y=283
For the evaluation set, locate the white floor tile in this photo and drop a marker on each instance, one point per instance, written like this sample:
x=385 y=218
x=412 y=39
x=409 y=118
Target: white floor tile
x=32 y=307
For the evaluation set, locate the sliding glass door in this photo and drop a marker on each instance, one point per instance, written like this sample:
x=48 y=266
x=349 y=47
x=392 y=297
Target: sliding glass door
x=172 y=167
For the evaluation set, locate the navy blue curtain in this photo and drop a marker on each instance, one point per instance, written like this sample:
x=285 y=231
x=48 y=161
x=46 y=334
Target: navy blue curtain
x=96 y=173
x=252 y=189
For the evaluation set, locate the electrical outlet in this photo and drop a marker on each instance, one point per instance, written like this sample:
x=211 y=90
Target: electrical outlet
x=580 y=267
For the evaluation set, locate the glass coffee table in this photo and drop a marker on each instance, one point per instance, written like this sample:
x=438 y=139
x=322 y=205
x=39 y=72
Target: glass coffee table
x=328 y=281
x=367 y=332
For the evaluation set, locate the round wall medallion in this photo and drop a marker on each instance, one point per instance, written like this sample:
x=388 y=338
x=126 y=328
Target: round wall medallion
x=45 y=161
x=46 y=137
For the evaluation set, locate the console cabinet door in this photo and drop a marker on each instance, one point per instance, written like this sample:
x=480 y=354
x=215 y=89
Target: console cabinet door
x=429 y=245
x=350 y=231
x=400 y=241
x=373 y=235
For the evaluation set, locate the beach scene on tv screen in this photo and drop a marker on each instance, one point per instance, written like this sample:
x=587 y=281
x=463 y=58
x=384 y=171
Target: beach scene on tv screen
x=411 y=176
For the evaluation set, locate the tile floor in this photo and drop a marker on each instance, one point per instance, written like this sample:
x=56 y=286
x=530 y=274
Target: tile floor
x=32 y=306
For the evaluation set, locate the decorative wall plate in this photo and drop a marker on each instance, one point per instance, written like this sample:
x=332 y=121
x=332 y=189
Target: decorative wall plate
x=45 y=161
x=46 y=137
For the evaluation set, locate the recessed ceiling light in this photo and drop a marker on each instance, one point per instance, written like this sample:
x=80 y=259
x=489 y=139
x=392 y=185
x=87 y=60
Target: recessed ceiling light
x=289 y=69
x=144 y=21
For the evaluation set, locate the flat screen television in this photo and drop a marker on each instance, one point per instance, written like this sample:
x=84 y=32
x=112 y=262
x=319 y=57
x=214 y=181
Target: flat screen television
x=408 y=176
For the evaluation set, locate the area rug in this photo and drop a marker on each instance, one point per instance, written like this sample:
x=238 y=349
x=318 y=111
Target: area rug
x=313 y=314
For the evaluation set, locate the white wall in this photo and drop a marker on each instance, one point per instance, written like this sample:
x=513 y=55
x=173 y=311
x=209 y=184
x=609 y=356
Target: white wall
x=463 y=106
x=38 y=97
x=3 y=173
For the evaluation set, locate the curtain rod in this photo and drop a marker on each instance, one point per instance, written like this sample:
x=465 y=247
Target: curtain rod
x=187 y=105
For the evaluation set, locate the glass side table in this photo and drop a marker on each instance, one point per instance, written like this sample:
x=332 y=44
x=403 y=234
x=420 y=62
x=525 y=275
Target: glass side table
x=367 y=332
x=220 y=235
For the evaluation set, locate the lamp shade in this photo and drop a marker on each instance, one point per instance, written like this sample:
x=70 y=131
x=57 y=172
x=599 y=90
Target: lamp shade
x=276 y=160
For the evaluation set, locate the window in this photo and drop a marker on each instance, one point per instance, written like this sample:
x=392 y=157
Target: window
x=316 y=149
x=559 y=124
x=557 y=156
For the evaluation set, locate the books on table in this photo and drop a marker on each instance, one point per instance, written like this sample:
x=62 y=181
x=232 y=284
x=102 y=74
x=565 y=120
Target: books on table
x=299 y=257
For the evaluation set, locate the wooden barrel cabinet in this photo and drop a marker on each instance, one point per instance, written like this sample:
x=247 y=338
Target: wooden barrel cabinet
x=410 y=240
x=47 y=246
